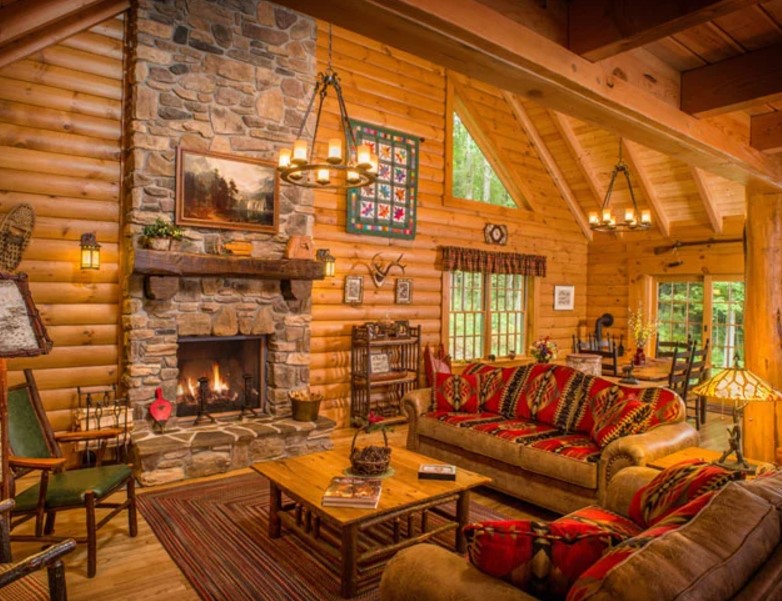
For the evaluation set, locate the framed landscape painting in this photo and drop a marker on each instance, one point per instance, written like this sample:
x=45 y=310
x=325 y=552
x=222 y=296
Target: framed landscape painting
x=226 y=192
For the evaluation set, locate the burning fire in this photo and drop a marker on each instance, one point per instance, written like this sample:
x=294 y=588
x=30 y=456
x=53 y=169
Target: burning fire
x=216 y=386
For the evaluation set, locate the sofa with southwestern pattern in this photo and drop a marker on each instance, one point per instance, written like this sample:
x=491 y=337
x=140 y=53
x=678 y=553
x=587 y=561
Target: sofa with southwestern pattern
x=691 y=533
x=548 y=434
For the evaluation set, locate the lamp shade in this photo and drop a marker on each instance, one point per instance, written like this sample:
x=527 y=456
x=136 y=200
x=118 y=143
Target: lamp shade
x=737 y=384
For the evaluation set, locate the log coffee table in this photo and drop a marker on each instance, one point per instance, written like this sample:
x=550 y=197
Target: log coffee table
x=362 y=540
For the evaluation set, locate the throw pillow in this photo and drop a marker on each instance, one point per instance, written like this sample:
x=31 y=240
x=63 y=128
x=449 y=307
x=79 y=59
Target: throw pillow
x=435 y=362
x=676 y=486
x=617 y=416
x=543 y=559
x=454 y=393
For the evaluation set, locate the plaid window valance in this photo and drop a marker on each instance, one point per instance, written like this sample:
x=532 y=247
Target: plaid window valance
x=456 y=258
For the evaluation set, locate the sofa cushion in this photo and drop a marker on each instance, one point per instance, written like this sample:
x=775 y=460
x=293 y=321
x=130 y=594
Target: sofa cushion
x=617 y=417
x=548 y=395
x=456 y=392
x=768 y=486
x=571 y=458
x=622 y=527
x=492 y=384
x=709 y=556
x=435 y=362
x=676 y=486
x=541 y=558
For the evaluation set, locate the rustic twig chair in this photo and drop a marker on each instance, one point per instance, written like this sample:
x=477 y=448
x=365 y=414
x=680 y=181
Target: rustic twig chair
x=34 y=446
x=14 y=583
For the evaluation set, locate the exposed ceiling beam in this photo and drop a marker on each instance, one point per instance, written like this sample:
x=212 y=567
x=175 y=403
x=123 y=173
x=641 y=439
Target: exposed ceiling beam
x=588 y=169
x=473 y=39
x=478 y=130
x=633 y=152
x=734 y=83
x=59 y=30
x=23 y=18
x=766 y=132
x=548 y=161
x=598 y=29
x=707 y=197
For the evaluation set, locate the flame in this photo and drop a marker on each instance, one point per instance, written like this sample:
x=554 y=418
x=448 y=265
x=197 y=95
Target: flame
x=218 y=385
x=191 y=387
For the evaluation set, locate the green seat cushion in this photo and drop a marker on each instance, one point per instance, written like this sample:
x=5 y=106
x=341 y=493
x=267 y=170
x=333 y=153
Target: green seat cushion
x=67 y=489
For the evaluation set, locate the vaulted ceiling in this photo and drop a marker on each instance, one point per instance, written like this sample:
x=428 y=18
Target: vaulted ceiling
x=692 y=88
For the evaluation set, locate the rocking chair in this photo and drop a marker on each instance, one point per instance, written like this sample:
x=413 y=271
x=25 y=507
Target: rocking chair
x=34 y=446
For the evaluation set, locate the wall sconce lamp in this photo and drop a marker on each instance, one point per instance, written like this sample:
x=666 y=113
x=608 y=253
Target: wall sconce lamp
x=328 y=259
x=90 y=251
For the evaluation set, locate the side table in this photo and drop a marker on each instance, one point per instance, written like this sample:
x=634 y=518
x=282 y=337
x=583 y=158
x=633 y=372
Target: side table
x=698 y=453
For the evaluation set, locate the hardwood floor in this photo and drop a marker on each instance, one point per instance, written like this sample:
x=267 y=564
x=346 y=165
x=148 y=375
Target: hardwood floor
x=130 y=569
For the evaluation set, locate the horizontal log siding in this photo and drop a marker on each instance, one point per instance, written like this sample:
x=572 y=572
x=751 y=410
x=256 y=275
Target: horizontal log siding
x=391 y=88
x=60 y=129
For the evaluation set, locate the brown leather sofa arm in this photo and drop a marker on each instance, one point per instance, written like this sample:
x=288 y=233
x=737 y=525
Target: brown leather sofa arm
x=36 y=463
x=428 y=572
x=88 y=435
x=624 y=485
x=414 y=403
x=640 y=449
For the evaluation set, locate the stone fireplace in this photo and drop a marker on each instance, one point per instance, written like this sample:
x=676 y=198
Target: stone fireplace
x=228 y=77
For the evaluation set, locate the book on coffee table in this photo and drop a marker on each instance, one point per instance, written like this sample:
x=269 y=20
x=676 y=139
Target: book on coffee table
x=345 y=491
x=436 y=471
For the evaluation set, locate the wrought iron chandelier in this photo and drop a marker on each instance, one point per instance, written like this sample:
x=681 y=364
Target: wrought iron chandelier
x=634 y=220
x=345 y=165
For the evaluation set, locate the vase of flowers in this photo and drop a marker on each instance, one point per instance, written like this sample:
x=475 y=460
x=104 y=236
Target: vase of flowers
x=543 y=350
x=371 y=460
x=641 y=330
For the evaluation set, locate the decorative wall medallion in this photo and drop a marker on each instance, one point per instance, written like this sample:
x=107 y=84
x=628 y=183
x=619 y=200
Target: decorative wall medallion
x=494 y=233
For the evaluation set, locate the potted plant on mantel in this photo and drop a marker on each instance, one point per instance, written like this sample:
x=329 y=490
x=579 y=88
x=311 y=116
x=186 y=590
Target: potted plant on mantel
x=158 y=235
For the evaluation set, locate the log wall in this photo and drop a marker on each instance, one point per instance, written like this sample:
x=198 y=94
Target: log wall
x=394 y=89
x=60 y=112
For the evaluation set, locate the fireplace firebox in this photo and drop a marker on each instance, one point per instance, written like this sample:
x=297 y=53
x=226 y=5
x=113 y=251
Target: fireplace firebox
x=220 y=375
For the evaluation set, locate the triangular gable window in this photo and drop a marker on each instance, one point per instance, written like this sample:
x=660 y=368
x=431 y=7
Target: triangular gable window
x=473 y=176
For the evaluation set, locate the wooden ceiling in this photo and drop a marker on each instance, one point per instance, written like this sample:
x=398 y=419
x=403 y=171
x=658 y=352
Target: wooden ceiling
x=692 y=87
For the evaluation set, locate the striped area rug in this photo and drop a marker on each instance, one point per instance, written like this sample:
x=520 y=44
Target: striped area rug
x=216 y=532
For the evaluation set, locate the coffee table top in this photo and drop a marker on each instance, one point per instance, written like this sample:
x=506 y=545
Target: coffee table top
x=307 y=477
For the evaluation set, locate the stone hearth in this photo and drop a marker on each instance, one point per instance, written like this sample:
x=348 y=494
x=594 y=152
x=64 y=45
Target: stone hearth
x=194 y=451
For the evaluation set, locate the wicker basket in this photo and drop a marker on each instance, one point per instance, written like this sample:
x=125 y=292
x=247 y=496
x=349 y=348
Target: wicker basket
x=371 y=460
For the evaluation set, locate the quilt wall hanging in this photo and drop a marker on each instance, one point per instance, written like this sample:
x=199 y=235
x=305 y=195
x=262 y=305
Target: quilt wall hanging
x=388 y=207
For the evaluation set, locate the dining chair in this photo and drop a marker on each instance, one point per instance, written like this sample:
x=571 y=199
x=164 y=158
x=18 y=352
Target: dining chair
x=664 y=349
x=678 y=377
x=15 y=580
x=698 y=373
x=34 y=446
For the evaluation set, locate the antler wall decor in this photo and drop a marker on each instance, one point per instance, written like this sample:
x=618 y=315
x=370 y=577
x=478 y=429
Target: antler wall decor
x=379 y=270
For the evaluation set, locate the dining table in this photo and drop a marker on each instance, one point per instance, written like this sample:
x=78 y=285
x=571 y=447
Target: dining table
x=651 y=374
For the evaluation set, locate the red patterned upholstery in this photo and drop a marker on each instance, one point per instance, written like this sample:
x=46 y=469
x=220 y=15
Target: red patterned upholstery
x=575 y=446
x=591 y=579
x=495 y=384
x=548 y=394
x=520 y=431
x=620 y=526
x=677 y=486
x=456 y=393
x=616 y=414
x=466 y=420
x=542 y=559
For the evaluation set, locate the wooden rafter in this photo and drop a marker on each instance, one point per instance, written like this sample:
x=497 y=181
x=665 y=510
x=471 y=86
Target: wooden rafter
x=588 y=169
x=598 y=29
x=766 y=132
x=548 y=161
x=475 y=40
x=637 y=171
x=734 y=83
x=709 y=202
x=46 y=23
x=478 y=130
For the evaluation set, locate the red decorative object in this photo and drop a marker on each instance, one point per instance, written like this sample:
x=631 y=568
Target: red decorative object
x=160 y=409
x=640 y=357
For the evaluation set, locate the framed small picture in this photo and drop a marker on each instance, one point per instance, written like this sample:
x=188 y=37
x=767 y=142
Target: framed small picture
x=403 y=293
x=354 y=289
x=402 y=329
x=564 y=298
x=379 y=363
x=226 y=192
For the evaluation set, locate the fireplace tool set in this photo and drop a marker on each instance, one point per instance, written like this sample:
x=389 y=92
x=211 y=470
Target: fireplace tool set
x=104 y=409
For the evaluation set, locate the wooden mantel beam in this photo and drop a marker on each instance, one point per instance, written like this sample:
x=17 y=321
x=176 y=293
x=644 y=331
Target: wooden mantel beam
x=734 y=83
x=598 y=29
x=766 y=132
x=473 y=39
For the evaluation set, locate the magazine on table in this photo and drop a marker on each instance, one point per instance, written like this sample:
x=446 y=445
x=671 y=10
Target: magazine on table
x=436 y=471
x=345 y=491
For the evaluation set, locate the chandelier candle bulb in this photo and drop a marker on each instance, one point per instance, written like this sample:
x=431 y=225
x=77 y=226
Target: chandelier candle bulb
x=285 y=158
x=299 y=152
x=353 y=177
x=373 y=163
x=607 y=217
x=593 y=219
x=629 y=215
x=335 y=151
x=364 y=155
x=322 y=176
x=646 y=216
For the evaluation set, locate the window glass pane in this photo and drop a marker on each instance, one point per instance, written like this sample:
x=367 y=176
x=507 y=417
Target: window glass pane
x=473 y=176
x=679 y=311
x=465 y=318
x=727 y=323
